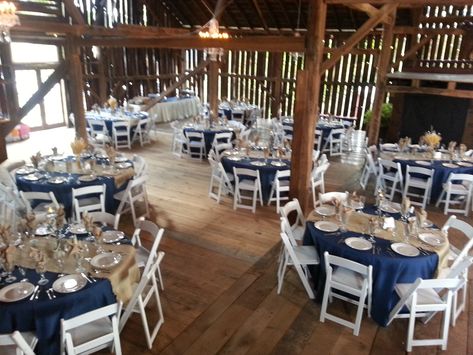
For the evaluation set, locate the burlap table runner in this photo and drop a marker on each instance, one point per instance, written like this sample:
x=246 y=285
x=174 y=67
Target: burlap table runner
x=122 y=277
x=358 y=222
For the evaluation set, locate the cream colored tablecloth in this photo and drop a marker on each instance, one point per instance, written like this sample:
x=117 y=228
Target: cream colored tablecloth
x=174 y=110
x=122 y=277
x=358 y=223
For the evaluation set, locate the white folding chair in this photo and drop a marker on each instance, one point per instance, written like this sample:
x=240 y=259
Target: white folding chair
x=88 y=198
x=144 y=292
x=317 y=180
x=368 y=169
x=143 y=254
x=420 y=179
x=134 y=193
x=139 y=165
x=48 y=198
x=18 y=343
x=322 y=160
x=334 y=142
x=422 y=298
x=280 y=188
x=219 y=178
x=458 y=190
x=389 y=177
x=195 y=144
x=299 y=256
x=318 y=140
x=348 y=277
x=247 y=180
x=220 y=148
x=178 y=139
x=142 y=131
x=315 y=156
x=298 y=227
x=222 y=137
x=238 y=115
x=91 y=331
x=105 y=218
x=98 y=132
x=121 y=132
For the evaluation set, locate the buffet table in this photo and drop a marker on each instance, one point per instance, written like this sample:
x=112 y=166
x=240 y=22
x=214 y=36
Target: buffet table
x=175 y=109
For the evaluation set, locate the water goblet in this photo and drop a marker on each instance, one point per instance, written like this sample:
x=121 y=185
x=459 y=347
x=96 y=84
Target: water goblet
x=9 y=267
x=40 y=270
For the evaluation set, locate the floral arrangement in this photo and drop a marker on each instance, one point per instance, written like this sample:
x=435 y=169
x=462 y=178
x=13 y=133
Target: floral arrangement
x=112 y=103
x=404 y=143
x=432 y=138
x=78 y=146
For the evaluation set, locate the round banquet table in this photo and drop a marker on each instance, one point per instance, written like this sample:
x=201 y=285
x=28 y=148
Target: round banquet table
x=63 y=192
x=324 y=127
x=441 y=173
x=266 y=172
x=109 y=117
x=209 y=134
x=43 y=315
x=389 y=268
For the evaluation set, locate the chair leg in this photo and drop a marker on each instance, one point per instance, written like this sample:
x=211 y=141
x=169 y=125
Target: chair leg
x=281 y=274
x=359 y=311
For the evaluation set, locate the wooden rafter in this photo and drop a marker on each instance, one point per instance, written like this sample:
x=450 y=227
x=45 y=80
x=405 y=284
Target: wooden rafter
x=74 y=12
x=369 y=9
x=358 y=35
x=260 y=14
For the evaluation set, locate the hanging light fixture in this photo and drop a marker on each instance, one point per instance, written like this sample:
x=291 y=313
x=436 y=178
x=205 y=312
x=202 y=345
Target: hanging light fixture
x=8 y=19
x=212 y=31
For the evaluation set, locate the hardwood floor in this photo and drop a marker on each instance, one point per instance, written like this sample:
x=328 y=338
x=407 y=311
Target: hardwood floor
x=220 y=274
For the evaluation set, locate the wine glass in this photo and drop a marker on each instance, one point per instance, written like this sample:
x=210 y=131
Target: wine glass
x=40 y=270
x=9 y=267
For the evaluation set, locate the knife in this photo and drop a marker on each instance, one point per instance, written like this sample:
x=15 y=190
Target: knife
x=36 y=288
x=85 y=277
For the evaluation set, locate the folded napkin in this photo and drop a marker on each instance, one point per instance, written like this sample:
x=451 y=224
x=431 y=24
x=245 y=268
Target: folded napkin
x=389 y=223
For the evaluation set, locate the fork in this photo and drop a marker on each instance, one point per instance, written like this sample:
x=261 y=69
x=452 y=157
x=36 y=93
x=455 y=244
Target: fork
x=51 y=292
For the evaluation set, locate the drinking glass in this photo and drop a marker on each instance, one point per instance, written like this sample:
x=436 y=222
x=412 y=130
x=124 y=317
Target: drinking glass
x=40 y=270
x=9 y=267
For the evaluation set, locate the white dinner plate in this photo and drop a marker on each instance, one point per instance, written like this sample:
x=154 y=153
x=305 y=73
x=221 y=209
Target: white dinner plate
x=465 y=164
x=77 y=229
x=326 y=226
x=278 y=163
x=105 y=260
x=87 y=178
x=56 y=157
x=234 y=158
x=450 y=165
x=69 y=283
x=422 y=162
x=432 y=239
x=112 y=236
x=124 y=165
x=390 y=207
x=32 y=177
x=358 y=243
x=325 y=210
x=43 y=230
x=405 y=249
x=16 y=291
x=121 y=159
x=57 y=180
x=26 y=170
x=258 y=163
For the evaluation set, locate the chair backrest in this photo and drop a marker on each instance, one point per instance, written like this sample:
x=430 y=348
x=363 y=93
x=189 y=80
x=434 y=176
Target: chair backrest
x=213 y=156
x=461 y=178
x=105 y=218
x=97 y=126
x=286 y=228
x=100 y=313
x=388 y=165
x=282 y=174
x=194 y=136
x=89 y=190
x=288 y=128
x=330 y=196
x=242 y=172
x=315 y=155
x=319 y=171
x=139 y=165
x=323 y=159
x=346 y=264
x=222 y=137
x=336 y=133
x=224 y=175
x=221 y=147
x=147 y=227
x=16 y=339
x=121 y=126
x=29 y=196
x=458 y=268
x=417 y=170
x=467 y=230
x=85 y=192
x=290 y=207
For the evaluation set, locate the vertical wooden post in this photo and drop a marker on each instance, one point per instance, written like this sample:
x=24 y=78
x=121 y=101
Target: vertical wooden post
x=3 y=148
x=76 y=87
x=276 y=72
x=213 y=89
x=102 y=76
x=307 y=106
x=383 y=66
x=9 y=77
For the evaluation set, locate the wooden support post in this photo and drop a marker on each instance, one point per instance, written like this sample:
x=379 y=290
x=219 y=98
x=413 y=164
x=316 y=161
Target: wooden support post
x=76 y=87
x=213 y=89
x=102 y=76
x=276 y=72
x=3 y=149
x=307 y=105
x=383 y=66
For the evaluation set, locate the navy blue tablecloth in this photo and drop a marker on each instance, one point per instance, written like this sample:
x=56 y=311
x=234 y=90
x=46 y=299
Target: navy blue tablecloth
x=110 y=118
x=321 y=126
x=266 y=172
x=63 y=192
x=441 y=174
x=389 y=268
x=209 y=135
x=43 y=315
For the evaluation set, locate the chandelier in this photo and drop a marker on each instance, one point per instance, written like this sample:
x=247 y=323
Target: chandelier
x=8 y=19
x=213 y=32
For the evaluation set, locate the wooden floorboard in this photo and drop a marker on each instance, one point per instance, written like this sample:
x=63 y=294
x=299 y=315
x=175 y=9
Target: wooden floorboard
x=219 y=271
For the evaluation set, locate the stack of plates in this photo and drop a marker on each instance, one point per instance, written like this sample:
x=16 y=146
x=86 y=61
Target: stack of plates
x=234 y=158
x=33 y=177
x=121 y=159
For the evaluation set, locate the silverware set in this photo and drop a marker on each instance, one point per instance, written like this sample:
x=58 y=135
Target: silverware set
x=89 y=278
x=50 y=293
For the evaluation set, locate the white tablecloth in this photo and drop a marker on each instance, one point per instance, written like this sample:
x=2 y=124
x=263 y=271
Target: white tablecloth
x=175 y=110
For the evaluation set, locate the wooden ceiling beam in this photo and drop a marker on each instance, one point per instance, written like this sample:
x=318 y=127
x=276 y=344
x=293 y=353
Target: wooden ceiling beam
x=260 y=15
x=74 y=12
x=361 y=33
x=367 y=8
x=411 y=30
x=253 y=43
